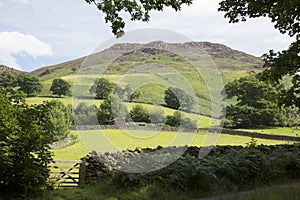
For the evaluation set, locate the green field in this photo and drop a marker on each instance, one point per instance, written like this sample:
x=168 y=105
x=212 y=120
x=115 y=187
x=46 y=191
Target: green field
x=116 y=140
x=286 y=131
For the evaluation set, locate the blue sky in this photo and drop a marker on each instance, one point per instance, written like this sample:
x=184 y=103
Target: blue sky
x=35 y=33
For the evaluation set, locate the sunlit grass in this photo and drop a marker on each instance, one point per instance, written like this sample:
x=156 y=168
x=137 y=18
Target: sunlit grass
x=286 y=131
x=116 y=140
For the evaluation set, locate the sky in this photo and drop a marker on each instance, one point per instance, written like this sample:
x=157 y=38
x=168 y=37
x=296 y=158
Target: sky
x=35 y=33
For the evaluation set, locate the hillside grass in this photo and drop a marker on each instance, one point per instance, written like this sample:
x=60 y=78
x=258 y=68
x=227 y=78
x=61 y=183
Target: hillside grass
x=286 y=131
x=151 y=75
x=115 y=140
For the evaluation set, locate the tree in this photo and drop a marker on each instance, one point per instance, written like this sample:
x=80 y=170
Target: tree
x=55 y=119
x=138 y=10
x=85 y=115
x=110 y=109
x=257 y=104
x=29 y=84
x=60 y=87
x=171 y=99
x=134 y=96
x=174 y=120
x=139 y=114
x=285 y=15
x=177 y=98
x=102 y=88
x=157 y=116
x=8 y=80
x=24 y=153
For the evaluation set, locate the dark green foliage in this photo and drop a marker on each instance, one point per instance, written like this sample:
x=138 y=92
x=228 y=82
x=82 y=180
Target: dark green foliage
x=139 y=114
x=8 y=80
x=177 y=98
x=281 y=64
x=135 y=95
x=102 y=88
x=171 y=99
x=110 y=109
x=292 y=116
x=189 y=124
x=285 y=15
x=138 y=10
x=157 y=116
x=177 y=119
x=24 y=153
x=84 y=115
x=60 y=87
x=174 y=120
x=257 y=104
x=125 y=94
x=29 y=84
x=222 y=171
x=55 y=119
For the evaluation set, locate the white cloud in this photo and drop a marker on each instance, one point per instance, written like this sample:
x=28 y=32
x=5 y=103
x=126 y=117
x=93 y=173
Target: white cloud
x=21 y=1
x=15 y=43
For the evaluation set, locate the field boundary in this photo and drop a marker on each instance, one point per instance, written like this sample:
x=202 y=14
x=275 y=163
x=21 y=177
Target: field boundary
x=260 y=135
x=172 y=129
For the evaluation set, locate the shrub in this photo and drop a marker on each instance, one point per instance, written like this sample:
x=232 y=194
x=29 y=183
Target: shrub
x=157 y=116
x=24 y=153
x=139 y=114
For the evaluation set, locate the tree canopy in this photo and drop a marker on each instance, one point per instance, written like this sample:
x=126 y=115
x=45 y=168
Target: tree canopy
x=60 y=87
x=285 y=14
x=24 y=153
x=177 y=98
x=138 y=10
x=140 y=114
x=102 y=88
x=110 y=109
x=55 y=119
x=29 y=84
x=8 y=80
x=257 y=104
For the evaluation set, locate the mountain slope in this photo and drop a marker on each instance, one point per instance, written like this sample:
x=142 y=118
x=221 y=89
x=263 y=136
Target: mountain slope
x=151 y=68
x=223 y=56
x=4 y=68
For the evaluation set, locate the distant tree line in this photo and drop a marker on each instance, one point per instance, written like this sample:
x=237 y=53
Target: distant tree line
x=175 y=98
x=31 y=85
x=113 y=107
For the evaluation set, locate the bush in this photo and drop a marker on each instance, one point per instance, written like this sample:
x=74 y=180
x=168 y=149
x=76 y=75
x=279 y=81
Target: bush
x=55 y=118
x=177 y=119
x=24 y=153
x=157 y=116
x=235 y=168
x=84 y=115
x=139 y=114
x=174 y=120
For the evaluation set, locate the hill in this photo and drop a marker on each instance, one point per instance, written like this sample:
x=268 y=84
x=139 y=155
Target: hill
x=4 y=68
x=153 y=67
x=223 y=56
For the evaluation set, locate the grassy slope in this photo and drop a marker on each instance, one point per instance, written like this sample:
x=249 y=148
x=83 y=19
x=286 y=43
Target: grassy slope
x=151 y=74
x=115 y=140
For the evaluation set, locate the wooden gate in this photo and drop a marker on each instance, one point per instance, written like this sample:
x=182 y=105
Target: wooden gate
x=66 y=173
